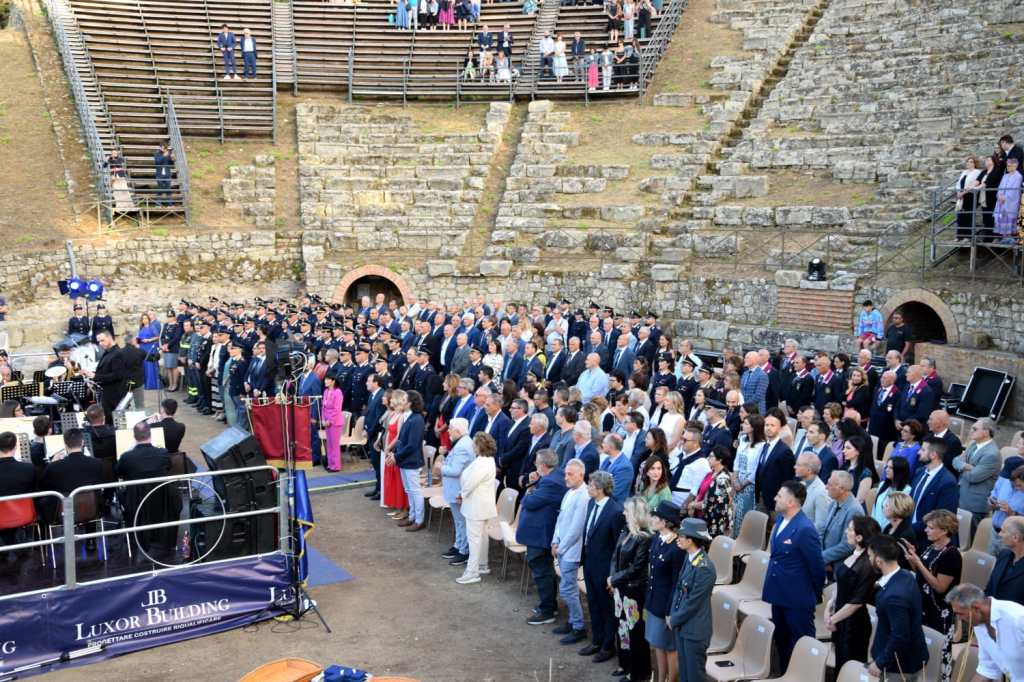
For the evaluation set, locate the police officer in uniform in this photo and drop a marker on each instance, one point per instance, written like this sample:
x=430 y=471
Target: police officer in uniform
x=343 y=374
x=360 y=373
x=690 y=615
x=79 y=324
x=102 y=322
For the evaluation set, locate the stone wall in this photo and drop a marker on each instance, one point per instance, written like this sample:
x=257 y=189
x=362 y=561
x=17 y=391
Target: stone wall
x=147 y=272
x=252 y=189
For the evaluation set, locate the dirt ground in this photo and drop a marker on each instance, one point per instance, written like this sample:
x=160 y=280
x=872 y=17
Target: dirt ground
x=403 y=614
x=35 y=211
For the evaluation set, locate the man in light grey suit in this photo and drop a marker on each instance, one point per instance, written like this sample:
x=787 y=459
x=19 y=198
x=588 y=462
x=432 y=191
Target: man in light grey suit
x=460 y=361
x=460 y=457
x=844 y=507
x=566 y=545
x=979 y=467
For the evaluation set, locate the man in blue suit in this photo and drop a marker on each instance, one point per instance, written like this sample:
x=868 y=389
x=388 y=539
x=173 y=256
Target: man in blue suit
x=538 y=514
x=309 y=385
x=497 y=424
x=455 y=462
x=933 y=486
x=531 y=364
x=617 y=464
x=583 y=446
x=514 y=367
x=601 y=531
x=480 y=418
x=623 y=357
x=553 y=370
x=371 y=423
x=754 y=382
x=517 y=444
x=775 y=464
x=899 y=650
x=539 y=440
x=257 y=379
x=795 y=562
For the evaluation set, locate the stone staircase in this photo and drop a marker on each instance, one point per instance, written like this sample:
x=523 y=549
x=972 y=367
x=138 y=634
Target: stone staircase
x=284 y=43
x=529 y=70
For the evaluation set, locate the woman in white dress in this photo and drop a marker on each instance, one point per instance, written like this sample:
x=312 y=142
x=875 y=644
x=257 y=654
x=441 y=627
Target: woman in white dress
x=673 y=421
x=699 y=404
x=478 y=505
x=560 y=65
x=494 y=358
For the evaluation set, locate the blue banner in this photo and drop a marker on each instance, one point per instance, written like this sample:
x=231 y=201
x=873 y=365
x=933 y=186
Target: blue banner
x=93 y=622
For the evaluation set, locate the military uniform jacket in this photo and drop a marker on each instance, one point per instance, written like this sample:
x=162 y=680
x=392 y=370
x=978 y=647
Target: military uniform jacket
x=102 y=323
x=78 y=325
x=690 y=614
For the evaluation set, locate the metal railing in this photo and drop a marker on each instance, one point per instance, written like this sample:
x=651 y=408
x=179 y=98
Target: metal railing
x=69 y=538
x=180 y=162
x=959 y=223
x=57 y=13
x=351 y=71
x=295 y=51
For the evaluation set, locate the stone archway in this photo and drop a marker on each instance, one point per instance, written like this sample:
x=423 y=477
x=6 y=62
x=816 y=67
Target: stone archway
x=921 y=297
x=353 y=276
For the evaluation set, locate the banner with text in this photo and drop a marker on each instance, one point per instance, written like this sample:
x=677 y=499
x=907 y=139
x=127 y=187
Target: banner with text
x=46 y=631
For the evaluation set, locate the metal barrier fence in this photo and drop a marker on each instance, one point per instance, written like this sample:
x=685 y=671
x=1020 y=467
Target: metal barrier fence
x=68 y=538
x=180 y=161
x=971 y=220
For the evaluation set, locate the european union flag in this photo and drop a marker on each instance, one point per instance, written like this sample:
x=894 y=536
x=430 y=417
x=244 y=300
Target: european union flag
x=304 y=523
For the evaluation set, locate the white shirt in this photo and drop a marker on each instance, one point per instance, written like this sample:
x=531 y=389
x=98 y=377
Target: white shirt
x=690 y=479
x=597 y=513
x=1005 y=654
x=887 y=577
x=248 y=45
x=929 y=476
x=782 y=525
x=516 y=423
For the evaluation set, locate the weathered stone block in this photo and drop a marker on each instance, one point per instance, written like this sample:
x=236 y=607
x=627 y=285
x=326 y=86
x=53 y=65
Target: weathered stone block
x=788 y=278
x=496 y=268
x=436 y=268
x=664 y=273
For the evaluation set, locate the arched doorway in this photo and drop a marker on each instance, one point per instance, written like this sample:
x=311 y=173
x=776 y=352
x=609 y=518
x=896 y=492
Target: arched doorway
x=370 y=280
x=924 y=321
x=927 y=314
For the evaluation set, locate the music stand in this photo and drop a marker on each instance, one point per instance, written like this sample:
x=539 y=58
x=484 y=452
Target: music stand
x=24 y=451
x=20 y=391
x=69 y=389
x=71 y=420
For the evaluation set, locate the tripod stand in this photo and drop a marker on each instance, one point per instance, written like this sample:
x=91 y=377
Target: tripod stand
x=296 y=601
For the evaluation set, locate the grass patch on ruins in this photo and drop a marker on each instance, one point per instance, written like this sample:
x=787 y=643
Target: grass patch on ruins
x=606 y=131
x=686 y=65
x=445 y=118
x=797 y=188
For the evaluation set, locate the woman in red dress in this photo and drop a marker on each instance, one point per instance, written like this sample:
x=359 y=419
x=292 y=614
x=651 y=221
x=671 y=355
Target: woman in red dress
x=393 y=495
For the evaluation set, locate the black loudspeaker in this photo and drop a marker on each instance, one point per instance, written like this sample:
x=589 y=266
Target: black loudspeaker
x=235 y=448
x=986 y=394
x=231 y=538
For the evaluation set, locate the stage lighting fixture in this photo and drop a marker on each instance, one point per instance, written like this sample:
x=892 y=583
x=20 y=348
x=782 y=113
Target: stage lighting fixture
x=94 y=289
x=816 y=270
x=76 y=287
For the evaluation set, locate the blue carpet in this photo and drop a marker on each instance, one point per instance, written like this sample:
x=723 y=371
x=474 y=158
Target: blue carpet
x=329 y=480
x=323 y=571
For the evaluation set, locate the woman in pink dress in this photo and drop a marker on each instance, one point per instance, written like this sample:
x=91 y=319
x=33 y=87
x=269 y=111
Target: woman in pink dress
x=394 y=492
x=333 y=421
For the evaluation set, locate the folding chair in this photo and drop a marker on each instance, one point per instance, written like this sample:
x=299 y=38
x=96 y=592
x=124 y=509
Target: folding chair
x=750 y=659
x=807 y=664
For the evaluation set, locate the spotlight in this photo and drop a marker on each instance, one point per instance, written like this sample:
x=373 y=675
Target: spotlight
x=94 y=289
x=76 y=287
x=816 y=270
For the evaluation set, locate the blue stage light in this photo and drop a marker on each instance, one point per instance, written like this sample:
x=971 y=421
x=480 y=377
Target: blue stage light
x=94 y=289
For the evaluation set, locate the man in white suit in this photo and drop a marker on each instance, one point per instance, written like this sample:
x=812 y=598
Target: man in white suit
x=454 y=463
x=565 y=547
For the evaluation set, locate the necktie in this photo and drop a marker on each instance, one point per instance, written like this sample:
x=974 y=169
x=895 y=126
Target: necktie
x=591 y=515
x=762 y=456
x=618 y=354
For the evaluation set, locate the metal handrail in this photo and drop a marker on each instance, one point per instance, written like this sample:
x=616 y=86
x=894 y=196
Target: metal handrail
x=56 y=13
x=273 y=92
x=652 y=52
x=69 y=538
x=295 y=51
x=213 y=67
x=406 y=69
x=180 y=162
x=149 y=44
x=351 y=68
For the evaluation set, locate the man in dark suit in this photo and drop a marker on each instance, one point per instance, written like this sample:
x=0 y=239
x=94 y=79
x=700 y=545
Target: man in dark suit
x=799 y=392
x=899 y=650
x=74 y=470
x=775 y=464
x=103 y=437
x=174 y=431
x=575 y=363
x=933 y=486
x=938 y=427
x=645 y=346
x=110 y=374
x=795 y=561
x=539 y=440
x=596 y=345
x=604 y=522
x=828 y=388
x=162 y=503
x=446 y=351
x=882 y=420
x=461 y=359
x=257 y=379
x=774 y=393
x=553 y=370
x=371 y=423
x=537 y=516
x=918 y=401
x=517 y=444
x=514 y=366
x=716 y=433
x=496 y=424
x=16 y=478
x=531 y=364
